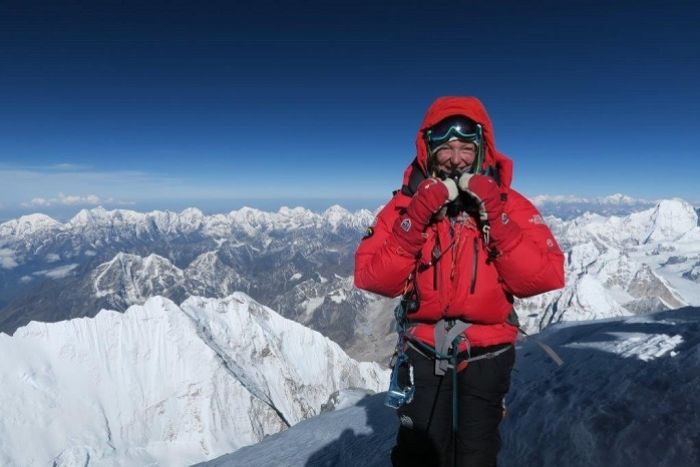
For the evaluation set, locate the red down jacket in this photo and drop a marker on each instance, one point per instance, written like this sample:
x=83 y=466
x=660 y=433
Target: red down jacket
x=461 y=283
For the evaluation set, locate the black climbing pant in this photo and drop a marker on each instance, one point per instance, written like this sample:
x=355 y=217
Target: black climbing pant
x=425 y=436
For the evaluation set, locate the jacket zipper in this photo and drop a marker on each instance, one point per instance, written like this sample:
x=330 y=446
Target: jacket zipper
x=475 y=265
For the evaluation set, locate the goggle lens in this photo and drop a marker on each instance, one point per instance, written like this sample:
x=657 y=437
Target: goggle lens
x=458 y=127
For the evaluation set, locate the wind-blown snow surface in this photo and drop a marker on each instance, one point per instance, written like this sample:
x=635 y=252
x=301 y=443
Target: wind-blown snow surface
x=626 y=395
x=162 y=384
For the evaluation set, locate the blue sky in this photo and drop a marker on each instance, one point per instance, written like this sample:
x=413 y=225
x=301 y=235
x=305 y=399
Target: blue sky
x=219 y=104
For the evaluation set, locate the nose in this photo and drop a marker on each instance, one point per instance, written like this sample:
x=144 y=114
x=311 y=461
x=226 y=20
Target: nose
x=455 y=157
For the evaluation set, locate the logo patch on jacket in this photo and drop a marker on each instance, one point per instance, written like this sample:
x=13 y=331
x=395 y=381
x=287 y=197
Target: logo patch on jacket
x=536 y=219
x=368 y=233
x=406 y=225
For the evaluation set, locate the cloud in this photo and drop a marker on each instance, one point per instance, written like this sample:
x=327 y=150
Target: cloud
x=116 y=202
x=63 y=200
x=57 y=273
x=81 y=185
x=52 y=258
x=36 y=202
x=67 y=166
x=73 y=200
x=7 y=260
x=616 y=199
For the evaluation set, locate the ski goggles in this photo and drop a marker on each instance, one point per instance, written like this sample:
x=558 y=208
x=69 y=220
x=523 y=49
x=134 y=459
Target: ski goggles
x=454 y=127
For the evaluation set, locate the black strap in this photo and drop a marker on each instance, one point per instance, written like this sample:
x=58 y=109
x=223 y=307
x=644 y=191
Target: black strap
x=414 y=179
x=493 y=172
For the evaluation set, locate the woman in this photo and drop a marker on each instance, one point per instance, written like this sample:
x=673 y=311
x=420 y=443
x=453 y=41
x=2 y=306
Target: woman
x=457 y=243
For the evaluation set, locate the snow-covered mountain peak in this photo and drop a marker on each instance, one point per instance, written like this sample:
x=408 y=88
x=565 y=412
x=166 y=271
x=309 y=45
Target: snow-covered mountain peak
x=192 y=212
x=162 y=384
x=337 y=216
x=292 y=218
x=335 y=212
x=89 y=216
x=191 y=219
x=671 y=219
x=127 y=279
x=29 y=224
x=129 y=258
x=243 y=327
x=155 y=259
x=122 y=257
x=250 y=220
x=667 y=221
x=297 y=212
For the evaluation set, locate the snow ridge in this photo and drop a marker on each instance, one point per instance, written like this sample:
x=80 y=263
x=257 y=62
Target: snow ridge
x=178 y=400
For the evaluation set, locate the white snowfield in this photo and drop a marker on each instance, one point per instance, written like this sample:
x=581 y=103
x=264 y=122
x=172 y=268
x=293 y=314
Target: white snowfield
x=164 y=385
x=625 y=396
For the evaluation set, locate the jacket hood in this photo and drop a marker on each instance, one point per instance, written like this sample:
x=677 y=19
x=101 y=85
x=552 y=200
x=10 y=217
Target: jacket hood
x=472 y=108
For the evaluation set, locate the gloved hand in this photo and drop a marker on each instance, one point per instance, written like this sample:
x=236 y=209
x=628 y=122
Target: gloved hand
x=486 y=192
x=432 y=194
x=500 y=234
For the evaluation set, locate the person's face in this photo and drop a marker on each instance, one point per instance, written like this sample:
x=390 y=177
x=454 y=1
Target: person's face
x=455 y=156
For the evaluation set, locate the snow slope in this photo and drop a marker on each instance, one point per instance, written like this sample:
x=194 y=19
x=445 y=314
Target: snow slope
x=626 y=395
x=162 y=384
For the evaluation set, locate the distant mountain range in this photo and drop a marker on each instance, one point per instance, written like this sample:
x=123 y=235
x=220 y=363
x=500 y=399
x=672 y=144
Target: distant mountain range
x=295 y=260
x=300 y=263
